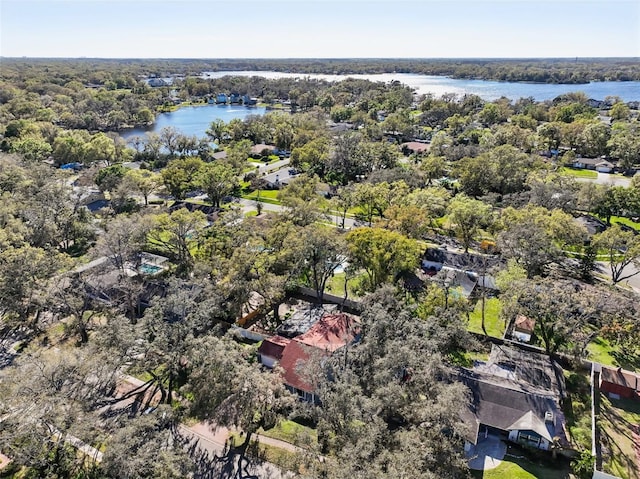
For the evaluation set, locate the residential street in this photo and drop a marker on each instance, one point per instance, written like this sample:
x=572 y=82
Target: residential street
x=215 y=462
x=633 y=282
x=250 y=205
x=607 y=179
x=207 y=444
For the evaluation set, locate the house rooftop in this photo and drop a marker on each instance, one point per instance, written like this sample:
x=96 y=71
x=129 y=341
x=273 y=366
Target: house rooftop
x=273 y=346
x=294 y=357
x=331 y=332
x=303 y=318
x=592 y=224
x=621 y=377
x=525 y=324
x=281 y=176
x=326 y=336
x=456 y=278
x=504 y=408
x=416 y=146
x=462 y=261
x=531 y=422
x=260 y=147
x=522 y=370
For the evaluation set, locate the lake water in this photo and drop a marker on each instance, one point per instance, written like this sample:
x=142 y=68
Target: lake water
x=486 y=89
x=195 y=120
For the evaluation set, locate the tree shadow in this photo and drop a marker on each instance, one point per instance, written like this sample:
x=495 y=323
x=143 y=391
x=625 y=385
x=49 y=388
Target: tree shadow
x=626 y=359
x=231 y=463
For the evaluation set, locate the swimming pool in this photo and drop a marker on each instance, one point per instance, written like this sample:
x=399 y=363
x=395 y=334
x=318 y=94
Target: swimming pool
x=147 y=268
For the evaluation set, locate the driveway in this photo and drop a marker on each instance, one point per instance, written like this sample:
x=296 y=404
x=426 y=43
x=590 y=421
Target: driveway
x=487 y=454
x=608 y=179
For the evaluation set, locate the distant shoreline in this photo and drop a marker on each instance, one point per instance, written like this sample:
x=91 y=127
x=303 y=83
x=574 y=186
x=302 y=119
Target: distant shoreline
x=564 y=71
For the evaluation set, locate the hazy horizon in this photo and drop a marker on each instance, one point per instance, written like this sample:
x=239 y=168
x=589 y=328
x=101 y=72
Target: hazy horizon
x=320 y=29
x=318 y=58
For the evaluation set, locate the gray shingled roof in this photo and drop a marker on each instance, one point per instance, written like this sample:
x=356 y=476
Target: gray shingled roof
x=501 y=407
x=530 y=422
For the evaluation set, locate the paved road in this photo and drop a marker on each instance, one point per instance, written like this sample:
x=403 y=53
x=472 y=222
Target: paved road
x=208 y=446
x=633 y=282
x=250 y=205
x=276 y=165
x=607 y=179
x=214 y=460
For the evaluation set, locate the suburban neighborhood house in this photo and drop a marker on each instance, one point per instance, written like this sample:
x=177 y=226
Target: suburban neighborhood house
x=515 y=397
x=619 y=383
x=599 y=164
x=466 y=271
x=523 y=328
x=297 y=355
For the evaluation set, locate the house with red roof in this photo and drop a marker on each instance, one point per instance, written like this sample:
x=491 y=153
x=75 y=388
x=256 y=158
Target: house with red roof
x=620 y=383
x=298 y=356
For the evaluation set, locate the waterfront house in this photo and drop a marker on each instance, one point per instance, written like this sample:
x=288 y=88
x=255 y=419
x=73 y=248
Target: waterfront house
x=221 y=98
x=249 y=101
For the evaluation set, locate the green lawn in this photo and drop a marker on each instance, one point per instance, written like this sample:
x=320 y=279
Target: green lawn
x=602 y=351
x=266 y=196
x=578 y=172
x=577 y=408
x=495 y=326
x=335 y=285
x=291 y=432
x=615 y=421
x=514 y=468
x=625 y=221
x=282 y=458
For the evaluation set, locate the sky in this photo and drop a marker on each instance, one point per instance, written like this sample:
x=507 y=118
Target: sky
x=320 y=28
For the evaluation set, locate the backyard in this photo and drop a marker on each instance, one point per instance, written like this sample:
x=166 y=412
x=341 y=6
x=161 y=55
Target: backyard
x=619 y=422
x=577 y=408
x=604 y=352
x=519 y=467
x=494 y=324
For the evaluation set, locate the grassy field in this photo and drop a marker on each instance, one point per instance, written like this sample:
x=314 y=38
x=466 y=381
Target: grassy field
x=577 y=172
x=282 y=458
x=514 y=468
x=495 y=326
x=291 y=432
x=617 y=417
x=625 y=221
x=602 y=351
x=335 y=285
x=266 y=196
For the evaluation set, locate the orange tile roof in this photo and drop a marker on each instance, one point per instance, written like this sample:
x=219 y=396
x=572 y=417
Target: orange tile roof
x=525 y=324
x=331 y=332
x=273 y=346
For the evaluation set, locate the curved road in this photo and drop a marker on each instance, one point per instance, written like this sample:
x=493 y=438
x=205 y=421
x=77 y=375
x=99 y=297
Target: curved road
x=250 y=205
x=608 y=179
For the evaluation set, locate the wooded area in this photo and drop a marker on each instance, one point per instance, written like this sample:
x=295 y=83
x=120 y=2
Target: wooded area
x=145 y=258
